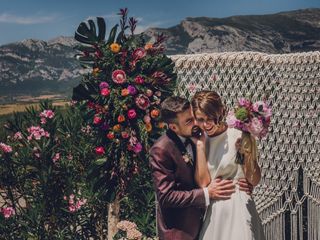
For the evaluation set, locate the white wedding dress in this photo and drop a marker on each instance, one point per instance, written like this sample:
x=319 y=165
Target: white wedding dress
x=235 y=218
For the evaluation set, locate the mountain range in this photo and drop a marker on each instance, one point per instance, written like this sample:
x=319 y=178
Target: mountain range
x=36 y=67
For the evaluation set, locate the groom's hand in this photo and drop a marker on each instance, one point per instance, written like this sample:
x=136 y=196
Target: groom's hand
x=221 y=189
x=245 y=186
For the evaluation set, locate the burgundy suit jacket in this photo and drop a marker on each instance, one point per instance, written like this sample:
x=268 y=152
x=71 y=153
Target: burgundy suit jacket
x=180 y=203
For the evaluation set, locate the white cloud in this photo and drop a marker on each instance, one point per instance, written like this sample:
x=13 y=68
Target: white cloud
x=9 y=18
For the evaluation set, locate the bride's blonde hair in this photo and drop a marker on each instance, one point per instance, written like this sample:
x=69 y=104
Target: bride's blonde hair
x=209 y=103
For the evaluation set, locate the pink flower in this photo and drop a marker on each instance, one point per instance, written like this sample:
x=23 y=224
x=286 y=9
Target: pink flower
x=36 y=133
x=244 y=102
x=100 y=150
x=8 y=212
x=17 y=136
x=132 y=114
x=5 y=148
x=149 y=92
x=119 y=76
x=105 y=92
x=139 y=80
x=255 y=127
x=142 y=101
x=147 y=119
x=43 y=120
x=97 y=120
x=137 y=148
x=124 y=134
x=231 y=120
x=56 y=157
x=72 y=208
x=47 y=114
x=132 y=90
x=263 y=108
x=103 y=85
x=138 y=53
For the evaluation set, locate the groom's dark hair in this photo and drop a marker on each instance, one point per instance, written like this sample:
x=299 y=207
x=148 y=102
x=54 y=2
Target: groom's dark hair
x=171 y=106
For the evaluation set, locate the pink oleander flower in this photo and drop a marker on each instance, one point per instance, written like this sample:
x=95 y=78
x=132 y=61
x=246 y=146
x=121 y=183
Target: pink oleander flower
x=43 y=120
x=47 y=114
x=132 y=114
x=119 y=76
x=5 y=148
x=8 y=212
x=56 y=157
x=18 y=136
x=138 y=53
x=37 y=133
x=72 y=208
x=103 y=85
x=142 y=101
x=139 y=80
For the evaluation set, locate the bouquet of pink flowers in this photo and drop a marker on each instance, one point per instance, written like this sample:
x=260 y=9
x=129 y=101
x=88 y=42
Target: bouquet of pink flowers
x=253 y=118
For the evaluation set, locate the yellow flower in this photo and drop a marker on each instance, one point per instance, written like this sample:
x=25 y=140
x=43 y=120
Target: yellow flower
x=95 y=71
x=148 y=127
x=121 y=118
x=115 y=47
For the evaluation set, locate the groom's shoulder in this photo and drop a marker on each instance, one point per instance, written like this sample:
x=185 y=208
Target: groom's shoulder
x=163 y=142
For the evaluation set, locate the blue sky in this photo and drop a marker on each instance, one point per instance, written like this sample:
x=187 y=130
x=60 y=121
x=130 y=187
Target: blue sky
x=47 y=19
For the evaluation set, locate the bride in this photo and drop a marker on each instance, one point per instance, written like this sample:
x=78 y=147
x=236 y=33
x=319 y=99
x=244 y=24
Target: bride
x=237 y=217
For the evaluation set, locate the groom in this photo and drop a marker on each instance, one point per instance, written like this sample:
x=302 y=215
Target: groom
x=181 y=204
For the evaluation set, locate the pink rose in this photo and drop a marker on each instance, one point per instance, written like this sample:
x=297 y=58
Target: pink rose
x=119 y=76
x=100 y=151
x=132 y=114
x=231 y=120
x=142 y=101
x=105 y=91
x=103 y=85
x=97 y=120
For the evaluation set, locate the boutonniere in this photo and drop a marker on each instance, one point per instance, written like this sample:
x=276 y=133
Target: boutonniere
x=187 y=158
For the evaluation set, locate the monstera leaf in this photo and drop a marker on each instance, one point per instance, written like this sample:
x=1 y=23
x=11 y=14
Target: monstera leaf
x=87 y=31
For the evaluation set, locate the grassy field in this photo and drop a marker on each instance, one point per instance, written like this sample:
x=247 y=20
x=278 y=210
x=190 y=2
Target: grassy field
x=6 y=109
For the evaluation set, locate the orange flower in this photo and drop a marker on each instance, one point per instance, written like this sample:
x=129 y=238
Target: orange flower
x=124 y=92
x=155 y=113
x=117 y=128
x=115 y=47
x=148 y=127
x=95 y=71
x=148 y=46
x=110 y=135
x=121 y=118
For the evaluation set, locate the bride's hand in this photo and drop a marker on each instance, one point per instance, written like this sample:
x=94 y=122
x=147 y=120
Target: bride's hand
x=221 y=189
